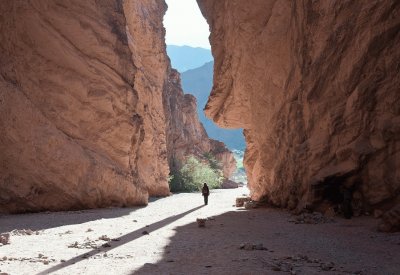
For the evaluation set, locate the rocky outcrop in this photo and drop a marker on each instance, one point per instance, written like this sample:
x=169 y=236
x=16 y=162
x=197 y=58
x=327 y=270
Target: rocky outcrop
x=82 y=122
x=186 y=135
x=146 y=37
x=315 y=85
x=224 y=156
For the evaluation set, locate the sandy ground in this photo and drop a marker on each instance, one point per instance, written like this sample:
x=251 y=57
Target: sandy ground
x=163 y=238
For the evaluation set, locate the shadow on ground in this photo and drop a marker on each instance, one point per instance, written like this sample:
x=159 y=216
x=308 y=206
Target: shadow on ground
x=121 y=241
x=342 y=247
x=46 y=220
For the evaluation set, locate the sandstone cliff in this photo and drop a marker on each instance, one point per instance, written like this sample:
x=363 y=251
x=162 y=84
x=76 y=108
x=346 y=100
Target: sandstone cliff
x=83 y=121
x=81 y=85
x=315 y=85
x=185 y=133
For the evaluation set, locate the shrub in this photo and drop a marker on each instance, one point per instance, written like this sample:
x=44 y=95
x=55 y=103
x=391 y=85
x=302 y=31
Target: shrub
x=193 y=175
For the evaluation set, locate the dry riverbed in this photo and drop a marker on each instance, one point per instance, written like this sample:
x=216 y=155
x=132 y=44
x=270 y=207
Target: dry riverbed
x=163 y=238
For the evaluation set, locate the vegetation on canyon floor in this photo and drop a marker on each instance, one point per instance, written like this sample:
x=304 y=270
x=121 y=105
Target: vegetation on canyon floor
x=194 y=173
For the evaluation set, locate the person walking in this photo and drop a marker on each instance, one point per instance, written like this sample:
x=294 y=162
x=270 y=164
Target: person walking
x=205 y=192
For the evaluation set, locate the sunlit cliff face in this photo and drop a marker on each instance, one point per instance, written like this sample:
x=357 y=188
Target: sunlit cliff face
x=89 y=106
x=81 y=104
x=316 y=87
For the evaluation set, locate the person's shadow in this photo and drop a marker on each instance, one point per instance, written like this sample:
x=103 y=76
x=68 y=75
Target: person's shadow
x=122 y=240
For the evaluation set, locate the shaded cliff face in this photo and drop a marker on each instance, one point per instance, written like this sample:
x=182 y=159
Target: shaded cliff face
x=146 y=37
x=185 y=133
x=315 y=85
x=81 y=86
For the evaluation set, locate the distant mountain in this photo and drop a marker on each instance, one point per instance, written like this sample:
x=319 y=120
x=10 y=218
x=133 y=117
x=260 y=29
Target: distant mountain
x=184 y=58
x=199 y=83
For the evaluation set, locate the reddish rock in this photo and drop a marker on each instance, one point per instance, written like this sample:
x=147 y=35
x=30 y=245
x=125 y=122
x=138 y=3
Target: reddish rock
x=229 y=184
x=74 y=129
x=82 y=118
x=185 y=133
x=224 y=156
x=315 y=85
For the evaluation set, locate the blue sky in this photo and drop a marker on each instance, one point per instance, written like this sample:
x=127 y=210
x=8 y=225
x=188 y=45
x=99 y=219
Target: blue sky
x=185 y=25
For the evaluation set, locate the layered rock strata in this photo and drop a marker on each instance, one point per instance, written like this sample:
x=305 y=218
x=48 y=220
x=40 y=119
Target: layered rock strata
x=315 y=85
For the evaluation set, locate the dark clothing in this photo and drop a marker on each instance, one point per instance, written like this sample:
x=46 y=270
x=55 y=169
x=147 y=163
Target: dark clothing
x=205 y=192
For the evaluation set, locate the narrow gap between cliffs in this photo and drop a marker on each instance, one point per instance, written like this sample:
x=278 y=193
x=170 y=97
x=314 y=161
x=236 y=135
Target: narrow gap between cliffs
x=190 y=54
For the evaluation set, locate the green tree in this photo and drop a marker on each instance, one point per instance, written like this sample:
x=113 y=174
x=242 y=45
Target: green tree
x=193 y=175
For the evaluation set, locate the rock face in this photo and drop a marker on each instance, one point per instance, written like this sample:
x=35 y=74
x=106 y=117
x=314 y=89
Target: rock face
x=147 y=44
x=224 y=156
x=316 y=90
x=82 y=117
x=198 y=82
x=185 y=133
x=82 y=122
x=80 y=104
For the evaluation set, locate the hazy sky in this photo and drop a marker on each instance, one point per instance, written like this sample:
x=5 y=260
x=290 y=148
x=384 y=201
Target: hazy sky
x=185 y=25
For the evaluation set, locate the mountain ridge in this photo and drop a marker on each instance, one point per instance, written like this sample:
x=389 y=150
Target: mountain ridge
x=199 y=81
x=185 y=57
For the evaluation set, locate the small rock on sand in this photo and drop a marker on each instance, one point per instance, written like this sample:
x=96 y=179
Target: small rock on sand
x=249 y=246
x=104 y=238
x=250 y=204
x=201 y=222
x=5 y=238
x=327 y=266
x=241 y=200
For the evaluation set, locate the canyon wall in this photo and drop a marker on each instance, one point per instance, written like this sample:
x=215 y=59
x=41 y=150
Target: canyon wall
x=81 y=104
x=83 y=120
x=315 y=85
x=186 y=135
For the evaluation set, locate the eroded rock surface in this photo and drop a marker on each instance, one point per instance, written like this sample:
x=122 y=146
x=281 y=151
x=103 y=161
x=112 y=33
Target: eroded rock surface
x=81 y=123
x=185 y=133
x=68 y=107
x=315 y=85
x=83 y=88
